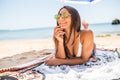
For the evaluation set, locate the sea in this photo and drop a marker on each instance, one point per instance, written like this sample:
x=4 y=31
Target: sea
x=47 y=32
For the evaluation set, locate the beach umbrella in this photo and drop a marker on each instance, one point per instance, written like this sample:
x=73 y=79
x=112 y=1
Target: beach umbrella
x=80 y=1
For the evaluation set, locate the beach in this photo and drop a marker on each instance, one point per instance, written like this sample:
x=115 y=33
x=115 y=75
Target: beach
x=16 y=52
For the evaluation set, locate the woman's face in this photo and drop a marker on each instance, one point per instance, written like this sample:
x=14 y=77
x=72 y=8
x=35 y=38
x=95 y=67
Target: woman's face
x=64 y=20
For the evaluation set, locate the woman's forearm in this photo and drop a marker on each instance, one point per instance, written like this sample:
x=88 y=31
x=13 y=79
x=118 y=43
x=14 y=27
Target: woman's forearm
x=73 y=61
x=60 y=53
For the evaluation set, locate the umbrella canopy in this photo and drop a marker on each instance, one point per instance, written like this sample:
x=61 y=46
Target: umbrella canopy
x=80 y=1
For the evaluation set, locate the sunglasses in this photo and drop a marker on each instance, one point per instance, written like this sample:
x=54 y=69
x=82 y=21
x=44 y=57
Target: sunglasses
x=63 y=15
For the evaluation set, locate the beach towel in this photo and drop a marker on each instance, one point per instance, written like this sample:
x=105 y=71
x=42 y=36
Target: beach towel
x=105 y=67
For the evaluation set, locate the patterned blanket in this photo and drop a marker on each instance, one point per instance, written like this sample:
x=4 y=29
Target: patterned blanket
x=104 y=61
x=106 y=66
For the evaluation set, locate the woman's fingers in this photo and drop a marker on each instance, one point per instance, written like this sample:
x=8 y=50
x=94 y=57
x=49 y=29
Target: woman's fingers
x=56 y=29
x=58 y=32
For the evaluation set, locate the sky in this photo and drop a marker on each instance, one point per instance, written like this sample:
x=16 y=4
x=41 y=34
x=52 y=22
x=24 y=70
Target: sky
x=20 y=14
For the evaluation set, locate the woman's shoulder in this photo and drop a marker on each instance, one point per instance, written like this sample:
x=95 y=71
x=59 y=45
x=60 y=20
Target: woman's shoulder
x=86 y=35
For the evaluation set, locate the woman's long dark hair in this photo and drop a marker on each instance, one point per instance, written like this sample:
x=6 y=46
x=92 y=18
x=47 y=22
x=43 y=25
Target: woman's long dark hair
x=74 y=28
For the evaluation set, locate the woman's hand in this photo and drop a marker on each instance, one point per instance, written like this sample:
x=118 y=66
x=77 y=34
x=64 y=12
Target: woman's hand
x=59 y=33
x=52 y=62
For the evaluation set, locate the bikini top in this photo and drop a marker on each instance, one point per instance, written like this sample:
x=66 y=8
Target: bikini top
x=79 y=50
x=78 y=53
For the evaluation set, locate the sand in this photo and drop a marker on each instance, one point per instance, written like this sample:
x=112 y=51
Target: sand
x=17 y=52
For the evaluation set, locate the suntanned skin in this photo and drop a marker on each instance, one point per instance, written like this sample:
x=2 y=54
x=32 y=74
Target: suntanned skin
x=86 y=39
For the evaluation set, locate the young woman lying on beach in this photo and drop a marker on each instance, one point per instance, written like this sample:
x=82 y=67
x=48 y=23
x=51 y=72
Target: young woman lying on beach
x=73 y=46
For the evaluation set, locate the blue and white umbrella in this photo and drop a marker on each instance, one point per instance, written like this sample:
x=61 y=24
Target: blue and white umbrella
x=80 y=1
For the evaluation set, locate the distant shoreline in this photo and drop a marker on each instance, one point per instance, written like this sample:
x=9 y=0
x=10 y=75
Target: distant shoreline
x=47 y=32
x=99 y=35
